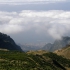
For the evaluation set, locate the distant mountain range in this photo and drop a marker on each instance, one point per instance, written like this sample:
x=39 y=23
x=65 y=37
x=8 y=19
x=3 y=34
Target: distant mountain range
x=58 y=44
x=29 y=47
x=6 y=42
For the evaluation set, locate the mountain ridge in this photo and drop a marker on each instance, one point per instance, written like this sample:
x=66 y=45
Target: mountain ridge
x=6 y=42
x=58 y=44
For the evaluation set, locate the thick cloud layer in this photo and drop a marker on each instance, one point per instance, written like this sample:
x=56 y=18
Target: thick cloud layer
x=16 y=2
x=56 y=23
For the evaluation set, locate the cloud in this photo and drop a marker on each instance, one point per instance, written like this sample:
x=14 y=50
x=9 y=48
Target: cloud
x=19 y=2
x=56 y=23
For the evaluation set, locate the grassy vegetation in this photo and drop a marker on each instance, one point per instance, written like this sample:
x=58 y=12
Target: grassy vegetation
x=14 y=60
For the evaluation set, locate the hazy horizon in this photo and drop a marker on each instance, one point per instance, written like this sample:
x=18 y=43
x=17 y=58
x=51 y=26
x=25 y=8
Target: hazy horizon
x=35 y=21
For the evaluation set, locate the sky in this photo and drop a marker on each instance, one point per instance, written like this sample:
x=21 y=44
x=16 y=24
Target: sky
x=35 y=21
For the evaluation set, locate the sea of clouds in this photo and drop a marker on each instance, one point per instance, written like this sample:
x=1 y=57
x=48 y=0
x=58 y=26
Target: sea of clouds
x=56 y=23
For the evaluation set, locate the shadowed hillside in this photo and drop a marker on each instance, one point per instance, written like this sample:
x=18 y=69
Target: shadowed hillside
x=8 y=43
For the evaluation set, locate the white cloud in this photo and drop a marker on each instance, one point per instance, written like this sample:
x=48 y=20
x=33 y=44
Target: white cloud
x=56 y=23
x=19 y=2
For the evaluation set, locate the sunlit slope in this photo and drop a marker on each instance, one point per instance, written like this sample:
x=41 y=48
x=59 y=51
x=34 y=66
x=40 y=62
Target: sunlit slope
x=39 y=52
x=64 y=52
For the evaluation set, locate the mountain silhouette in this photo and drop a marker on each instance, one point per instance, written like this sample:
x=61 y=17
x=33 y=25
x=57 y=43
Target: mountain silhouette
x=58 y=44
x=6 y=42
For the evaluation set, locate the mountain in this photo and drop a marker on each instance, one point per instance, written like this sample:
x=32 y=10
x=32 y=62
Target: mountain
x=58 y=44
x=6 y=42
x=29 y=47
x=35 y=60
x=47 y=46
x=64 y=52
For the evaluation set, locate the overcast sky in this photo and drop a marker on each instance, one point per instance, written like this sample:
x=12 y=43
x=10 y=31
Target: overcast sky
x=35 y=21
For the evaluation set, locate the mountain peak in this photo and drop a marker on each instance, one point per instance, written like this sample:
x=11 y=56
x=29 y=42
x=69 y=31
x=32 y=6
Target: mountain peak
x=58 y=44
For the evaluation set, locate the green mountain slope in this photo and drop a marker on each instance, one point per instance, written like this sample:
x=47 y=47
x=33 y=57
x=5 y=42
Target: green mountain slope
x=14 y=60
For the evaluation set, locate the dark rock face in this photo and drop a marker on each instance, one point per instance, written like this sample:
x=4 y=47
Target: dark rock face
x=58 y=44
x=8 y=43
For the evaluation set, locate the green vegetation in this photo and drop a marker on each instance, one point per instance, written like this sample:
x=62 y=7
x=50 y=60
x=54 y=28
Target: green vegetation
x=15 y=60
